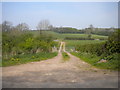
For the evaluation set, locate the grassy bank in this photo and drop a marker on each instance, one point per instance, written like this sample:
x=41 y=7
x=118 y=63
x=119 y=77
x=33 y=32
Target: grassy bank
x=66 y=57
x=93 y=60
x=22 y=59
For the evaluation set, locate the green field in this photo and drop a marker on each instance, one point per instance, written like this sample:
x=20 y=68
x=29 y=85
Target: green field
x=63 y=36
x=83 y=36
x=70 y=44
x=53 y=34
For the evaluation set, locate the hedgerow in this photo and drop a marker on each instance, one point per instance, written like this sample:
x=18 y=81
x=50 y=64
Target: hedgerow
x=107 y=48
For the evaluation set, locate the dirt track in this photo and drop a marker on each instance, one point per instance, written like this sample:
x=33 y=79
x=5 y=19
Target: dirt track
x=53 y=73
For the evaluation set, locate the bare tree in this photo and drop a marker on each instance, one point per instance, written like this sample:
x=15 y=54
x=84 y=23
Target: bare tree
x=43 y=25
x=89 y=30
x=6 y=26
x=51 y=27
x=22 y=27
x=91 y=26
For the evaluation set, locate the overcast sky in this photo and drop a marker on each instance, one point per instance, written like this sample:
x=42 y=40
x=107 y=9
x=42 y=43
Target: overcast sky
x=71 y=14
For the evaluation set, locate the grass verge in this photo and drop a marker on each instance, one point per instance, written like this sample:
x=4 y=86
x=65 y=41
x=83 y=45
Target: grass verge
x=22 y=59
x=66 y=57
x=93 y=60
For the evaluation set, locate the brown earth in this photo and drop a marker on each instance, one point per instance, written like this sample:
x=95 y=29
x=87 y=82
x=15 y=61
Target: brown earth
x=53 y=73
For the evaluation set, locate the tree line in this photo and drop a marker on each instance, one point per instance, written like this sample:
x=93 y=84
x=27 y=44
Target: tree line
x=7 y=26
x=89 y=31
x=45 y=25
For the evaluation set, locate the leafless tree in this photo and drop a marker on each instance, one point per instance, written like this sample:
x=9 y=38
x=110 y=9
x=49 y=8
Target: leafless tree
x=22 y=27
x=89 y=31
x=91 y=26
x=43 y=25
x=51 y=27
x=6 y=26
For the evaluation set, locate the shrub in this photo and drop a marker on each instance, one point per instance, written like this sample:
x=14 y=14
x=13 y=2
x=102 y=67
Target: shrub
x=97 y=48
x=22 y=42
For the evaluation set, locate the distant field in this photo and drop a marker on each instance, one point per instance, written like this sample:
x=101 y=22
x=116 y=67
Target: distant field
x=48 y=33
x=45 y=32
x=70 y=44
x=84 y=36
x=62 y=36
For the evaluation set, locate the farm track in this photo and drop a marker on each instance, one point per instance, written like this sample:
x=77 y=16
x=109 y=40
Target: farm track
x=53 y=73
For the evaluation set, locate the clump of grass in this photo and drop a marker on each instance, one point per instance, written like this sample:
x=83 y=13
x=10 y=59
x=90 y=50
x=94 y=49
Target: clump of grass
x=22 y=59
x=94 y=59
x=66 y=57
